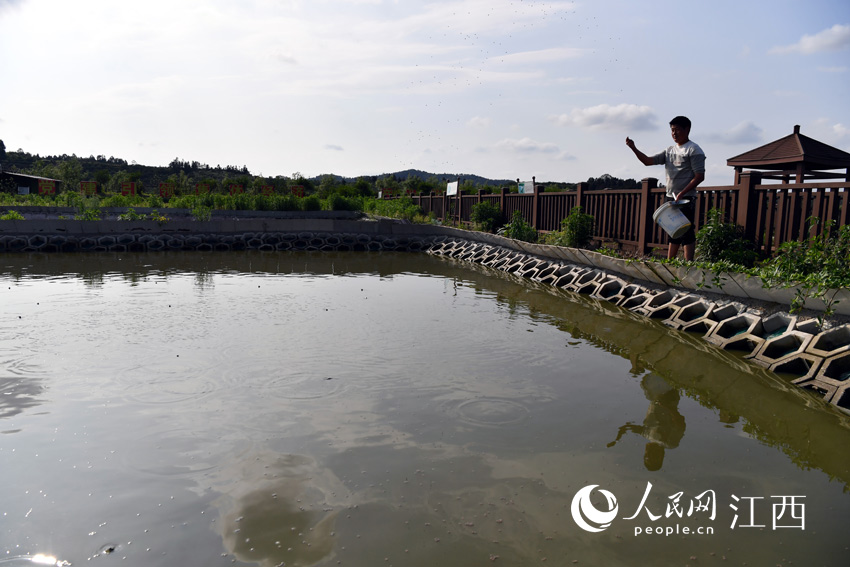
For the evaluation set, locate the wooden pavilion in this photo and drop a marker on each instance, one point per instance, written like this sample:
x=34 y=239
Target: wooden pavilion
x=794 y=159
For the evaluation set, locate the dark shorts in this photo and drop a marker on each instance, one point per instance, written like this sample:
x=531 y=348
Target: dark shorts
x=689 y=237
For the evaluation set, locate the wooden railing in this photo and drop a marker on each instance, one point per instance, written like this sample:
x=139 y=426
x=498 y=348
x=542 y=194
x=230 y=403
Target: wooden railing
x=769 y=213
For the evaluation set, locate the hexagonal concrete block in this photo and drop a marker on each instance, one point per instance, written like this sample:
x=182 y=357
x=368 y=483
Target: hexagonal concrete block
x=722 y=312
x=532 y=267
x=818 y=387
x=679 y=303
x=735 y=326
x=631 y=290
x=586 y=275
x=662 y=306
x=703 y=326
x=810 y=326
x=831 y=342
x=841 y=398
x=636 y=301
x=609 y=288
x=782 y=346
x=746 y=343
x=588 y=287
x=802 y=366
x=549 y=274
x=566 y=277
x=778 y=324
x=515 y=264
x=836 y=370
x=693 y=312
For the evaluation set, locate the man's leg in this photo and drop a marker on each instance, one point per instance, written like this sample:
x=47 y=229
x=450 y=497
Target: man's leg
x=689 y=251
x=672 y=250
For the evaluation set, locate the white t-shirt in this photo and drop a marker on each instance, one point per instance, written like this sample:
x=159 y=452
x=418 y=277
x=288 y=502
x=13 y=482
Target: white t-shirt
x=681 y=163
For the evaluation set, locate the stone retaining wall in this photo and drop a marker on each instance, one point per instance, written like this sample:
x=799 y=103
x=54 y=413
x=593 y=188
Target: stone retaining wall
x=817 y=359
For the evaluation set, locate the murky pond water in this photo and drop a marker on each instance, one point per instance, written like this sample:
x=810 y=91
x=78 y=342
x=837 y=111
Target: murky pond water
x=388 y=409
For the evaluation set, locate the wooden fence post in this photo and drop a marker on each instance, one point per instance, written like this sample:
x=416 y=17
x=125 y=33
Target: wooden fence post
x=747 y=213
x=459 y=204
x=645 y=215
x=535 y=204
x=444 y=206
x=581 y=187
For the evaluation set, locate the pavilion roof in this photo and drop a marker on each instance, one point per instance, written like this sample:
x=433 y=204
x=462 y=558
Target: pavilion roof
x=788 y=152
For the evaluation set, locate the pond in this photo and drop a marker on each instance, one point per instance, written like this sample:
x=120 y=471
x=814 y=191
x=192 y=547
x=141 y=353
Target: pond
x=388 y=409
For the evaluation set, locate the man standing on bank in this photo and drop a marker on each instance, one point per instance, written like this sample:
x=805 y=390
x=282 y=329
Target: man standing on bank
x=684 y=164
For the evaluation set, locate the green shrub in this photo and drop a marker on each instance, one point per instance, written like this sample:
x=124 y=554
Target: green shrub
x=88 y=209
x=69 y=199
x=519 y=229
x=243 y=202
x=115 y=201
x=311 y=203
x=719 y=241
x=155 y=202
x=811 y=266
x=160 y=218
x=402 y=208
x=577 y=229
x=12 y=215
x=130 y=215
x=338 y=202
x=201 y=213
x=487 y=216
x=285 y=203
x=184 y=202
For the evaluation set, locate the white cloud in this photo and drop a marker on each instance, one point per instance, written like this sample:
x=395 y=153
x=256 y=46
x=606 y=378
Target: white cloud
x=743 y=133
x=539 y=56
x=833 y=39
x=478 y=122
x=334 y=147
x=527 y=146
x=841 y=130
x=841 y=69
x=604 y=116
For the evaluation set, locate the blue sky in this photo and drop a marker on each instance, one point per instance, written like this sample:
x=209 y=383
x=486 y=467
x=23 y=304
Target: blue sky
x=500 y=88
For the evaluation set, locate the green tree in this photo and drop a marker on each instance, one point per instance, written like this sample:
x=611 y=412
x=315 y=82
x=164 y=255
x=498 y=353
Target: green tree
x=70 y=173
x=487 y=216
x=101 y=176
x=327 y=185
x=361 y=188
x=467 y=187
x=388 y=184
x=113 y=184
x=414 y=185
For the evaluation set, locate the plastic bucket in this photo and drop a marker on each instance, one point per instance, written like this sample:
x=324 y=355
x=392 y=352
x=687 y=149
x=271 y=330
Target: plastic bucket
x=671 y=219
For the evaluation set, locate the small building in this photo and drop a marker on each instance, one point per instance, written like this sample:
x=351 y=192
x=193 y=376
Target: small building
x=23 y=184
x=794 y=159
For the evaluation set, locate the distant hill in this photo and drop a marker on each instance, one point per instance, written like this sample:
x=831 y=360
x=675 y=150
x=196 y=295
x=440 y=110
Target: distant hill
x=426 y=176
x=108 y=171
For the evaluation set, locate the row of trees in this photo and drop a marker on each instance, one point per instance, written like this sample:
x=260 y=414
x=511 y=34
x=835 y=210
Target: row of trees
x=111 y=173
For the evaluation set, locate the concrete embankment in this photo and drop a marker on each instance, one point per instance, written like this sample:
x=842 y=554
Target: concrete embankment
x=730 y=311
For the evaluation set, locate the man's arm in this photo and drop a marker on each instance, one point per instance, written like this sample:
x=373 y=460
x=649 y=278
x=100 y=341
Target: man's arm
x=644 y=159
x=699 y=177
